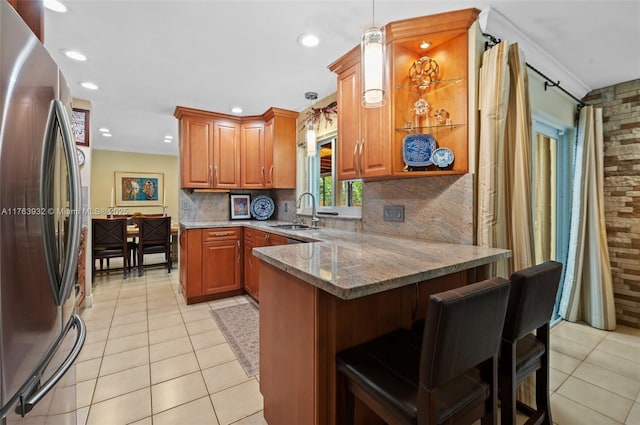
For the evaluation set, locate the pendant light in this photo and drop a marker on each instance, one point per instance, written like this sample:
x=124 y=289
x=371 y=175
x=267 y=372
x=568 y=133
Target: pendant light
x=311 y=132
x=372 y=62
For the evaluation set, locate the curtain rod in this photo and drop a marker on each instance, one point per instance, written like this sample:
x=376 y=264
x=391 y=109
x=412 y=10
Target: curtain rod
x=549 y=83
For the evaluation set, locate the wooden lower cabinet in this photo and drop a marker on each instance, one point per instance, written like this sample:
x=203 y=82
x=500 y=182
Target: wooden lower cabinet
x=256 y=239
x=210 y=263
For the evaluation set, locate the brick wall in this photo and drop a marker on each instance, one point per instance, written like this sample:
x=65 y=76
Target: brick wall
x=621 y=111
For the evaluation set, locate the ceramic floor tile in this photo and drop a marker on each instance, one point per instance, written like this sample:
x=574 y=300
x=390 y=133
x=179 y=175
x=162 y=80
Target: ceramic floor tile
x=222 y=303
x=82 y=415
x=175 y=392
x=596 y=398
x=173 y=367
x=556 y=378
x=207 y=339
x=63 y=400
x=170 y=348
x=163 y=311
x=172 y=332
x=192 y=316
x=145 y=421
x=88 y=369
x=126 y=343
x=567 y=412
x=200 y=326
x=213 y=356
x=123 y=319
x=255 y=419
x=139 y=298
x=94 y=325
x=125 y=360
x=579 y=335
x=162 y=321
x=614 y=363
x=562 y=362
x=610 y=381
x=584 y=327
x=97 y=336
x=120 y=331
x=84 y=392
x=570 y=348
x=634 y=415
x=121 y=410
x=237 y=402
x=92 y=351
x=129 y=308
x=224 y=376
x=621 y=349
x=120 y=383
x=199 y=411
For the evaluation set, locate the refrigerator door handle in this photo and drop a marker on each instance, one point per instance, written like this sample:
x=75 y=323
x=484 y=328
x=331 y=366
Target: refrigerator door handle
x=25 y=406
x=62 y=284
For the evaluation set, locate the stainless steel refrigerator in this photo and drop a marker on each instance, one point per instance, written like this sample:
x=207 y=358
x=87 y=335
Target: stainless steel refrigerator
x=41 y=334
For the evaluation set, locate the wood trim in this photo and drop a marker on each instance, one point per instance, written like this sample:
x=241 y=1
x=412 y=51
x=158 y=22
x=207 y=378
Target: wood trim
x=32 y=13
x=459 y=20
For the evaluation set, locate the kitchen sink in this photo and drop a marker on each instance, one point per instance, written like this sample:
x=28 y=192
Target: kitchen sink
x=291 y=226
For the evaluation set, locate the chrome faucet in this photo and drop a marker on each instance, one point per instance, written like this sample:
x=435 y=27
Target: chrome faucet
x=314 y=213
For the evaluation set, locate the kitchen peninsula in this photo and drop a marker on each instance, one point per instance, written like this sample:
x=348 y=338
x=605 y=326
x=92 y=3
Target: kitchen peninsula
x=336 y=291
x=319 y=298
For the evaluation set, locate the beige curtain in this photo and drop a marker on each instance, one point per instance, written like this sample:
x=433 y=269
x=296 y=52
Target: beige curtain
x=587 y=292
x=504 y=158
x=504 y=165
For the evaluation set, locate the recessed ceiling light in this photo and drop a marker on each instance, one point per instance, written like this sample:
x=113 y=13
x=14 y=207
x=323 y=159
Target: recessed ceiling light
x=236 y=110
x=55 y=5
x=103 y=130
x=425 y=44
x=106 y=134
x=89 y=85
x=75 y=55
x=308 y=40
x=167 y=140
x=168 y=136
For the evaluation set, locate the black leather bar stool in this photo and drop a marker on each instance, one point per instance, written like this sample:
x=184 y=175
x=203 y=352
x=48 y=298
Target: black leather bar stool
x=531 y=301
x=448 y=377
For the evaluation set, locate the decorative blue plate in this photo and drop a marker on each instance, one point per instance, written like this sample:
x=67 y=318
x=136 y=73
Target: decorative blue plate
x=442 y=157
x=417 y=149
x=262 y=207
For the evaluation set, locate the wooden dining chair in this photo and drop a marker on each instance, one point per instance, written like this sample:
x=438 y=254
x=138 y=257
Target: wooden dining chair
x=109 y=240
x=531 y=301
x=449 y=376
x=154 y=237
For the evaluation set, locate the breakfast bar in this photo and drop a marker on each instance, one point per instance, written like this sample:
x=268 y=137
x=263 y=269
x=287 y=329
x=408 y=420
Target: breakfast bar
x=319 y=298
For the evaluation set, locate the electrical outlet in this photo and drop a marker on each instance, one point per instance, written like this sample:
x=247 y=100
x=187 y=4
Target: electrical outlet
x=184 y=205
x=393 y=213
x=286 y=207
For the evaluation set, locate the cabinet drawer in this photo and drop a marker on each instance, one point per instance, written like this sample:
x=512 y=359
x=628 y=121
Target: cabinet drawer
x=221 y=234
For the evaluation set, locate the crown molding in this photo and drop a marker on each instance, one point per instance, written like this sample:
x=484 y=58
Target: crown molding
x=494 y=23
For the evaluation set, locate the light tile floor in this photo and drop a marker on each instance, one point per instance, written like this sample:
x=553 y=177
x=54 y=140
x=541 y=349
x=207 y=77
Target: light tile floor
x=151 y=359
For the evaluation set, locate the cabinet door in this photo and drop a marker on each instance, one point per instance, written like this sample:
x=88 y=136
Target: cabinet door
x=348 y=129
x=275 y=240
x=284 y=151
x=250 y=270
x=268 y=154
x=196 y=144
x=252 y=153
x=226 y=158
x=221 y=266
x=374 y=152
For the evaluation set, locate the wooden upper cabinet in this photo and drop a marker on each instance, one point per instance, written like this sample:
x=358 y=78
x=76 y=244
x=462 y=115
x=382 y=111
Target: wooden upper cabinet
x=196 y=154
x=370 y=140
x=226 y=155
x=252 y=145
x=219 y=151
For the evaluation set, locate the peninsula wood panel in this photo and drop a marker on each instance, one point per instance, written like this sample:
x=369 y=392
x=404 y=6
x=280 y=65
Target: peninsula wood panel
x=302 y=328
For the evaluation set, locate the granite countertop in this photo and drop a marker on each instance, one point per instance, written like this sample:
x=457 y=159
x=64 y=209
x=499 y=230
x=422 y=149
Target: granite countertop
x=352 y=265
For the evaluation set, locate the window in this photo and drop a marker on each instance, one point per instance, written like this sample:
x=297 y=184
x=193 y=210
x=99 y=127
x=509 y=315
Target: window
x=332 y=195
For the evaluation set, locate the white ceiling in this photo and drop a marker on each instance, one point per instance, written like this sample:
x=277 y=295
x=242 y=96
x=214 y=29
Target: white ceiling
x=149 y=56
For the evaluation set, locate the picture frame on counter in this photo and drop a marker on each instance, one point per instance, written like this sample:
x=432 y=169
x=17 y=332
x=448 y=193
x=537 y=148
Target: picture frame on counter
x=239 y=205
x=80 y=126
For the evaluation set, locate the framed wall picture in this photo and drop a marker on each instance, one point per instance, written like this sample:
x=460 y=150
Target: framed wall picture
x=240 y=207
x=138 y=189
x=80 y=126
